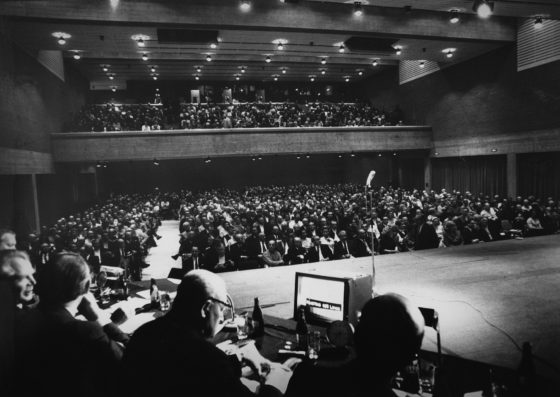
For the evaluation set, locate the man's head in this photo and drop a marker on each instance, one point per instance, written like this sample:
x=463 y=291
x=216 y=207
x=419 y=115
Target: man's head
x=7 y=240
x=389 y=334
x=64 y=280
x=16 y=266
x=342 y=235
x=201 y=301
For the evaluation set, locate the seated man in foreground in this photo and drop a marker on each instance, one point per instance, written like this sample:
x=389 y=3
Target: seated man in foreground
x=387 y=337
x=176 y=353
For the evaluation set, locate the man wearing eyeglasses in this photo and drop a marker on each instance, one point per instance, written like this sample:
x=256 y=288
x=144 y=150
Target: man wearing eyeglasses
x=177 y=353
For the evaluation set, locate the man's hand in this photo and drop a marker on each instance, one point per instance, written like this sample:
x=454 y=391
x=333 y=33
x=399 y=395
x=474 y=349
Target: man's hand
x=90 y=310
x=279 y=377
x=250 y=354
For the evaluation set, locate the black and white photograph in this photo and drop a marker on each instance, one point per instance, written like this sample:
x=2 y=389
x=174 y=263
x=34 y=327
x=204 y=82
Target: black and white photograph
x=268 y=198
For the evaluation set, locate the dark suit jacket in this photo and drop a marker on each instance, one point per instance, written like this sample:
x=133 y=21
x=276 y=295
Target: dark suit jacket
x=426 y=238
x=294 y=255
x=339 y=249
x=78 y=358
x=179 y=361
x=361 y=248
x=313 y=254
x=253 y=247
x=188 y=264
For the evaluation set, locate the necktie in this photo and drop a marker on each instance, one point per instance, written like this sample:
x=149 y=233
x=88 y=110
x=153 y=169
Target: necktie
x=346 y=247
x=195 y=265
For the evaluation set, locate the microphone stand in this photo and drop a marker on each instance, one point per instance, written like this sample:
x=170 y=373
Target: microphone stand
x=372 y=238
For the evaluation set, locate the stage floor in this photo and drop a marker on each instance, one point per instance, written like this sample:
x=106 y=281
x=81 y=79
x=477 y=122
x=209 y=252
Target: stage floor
x=488 y=295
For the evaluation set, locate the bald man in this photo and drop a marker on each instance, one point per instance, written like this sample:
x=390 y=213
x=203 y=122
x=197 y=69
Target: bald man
x=387 y=338
x=15 y=265
x=7 y=240
x=177 y=352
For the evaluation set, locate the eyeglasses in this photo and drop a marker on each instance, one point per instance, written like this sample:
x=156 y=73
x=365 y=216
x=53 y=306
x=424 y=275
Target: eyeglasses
x=226 y=308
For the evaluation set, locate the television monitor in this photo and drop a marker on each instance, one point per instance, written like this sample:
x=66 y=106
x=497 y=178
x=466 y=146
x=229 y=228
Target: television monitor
x=329 y=298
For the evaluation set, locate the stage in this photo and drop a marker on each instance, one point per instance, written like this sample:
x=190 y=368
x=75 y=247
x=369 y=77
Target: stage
x=482 y=292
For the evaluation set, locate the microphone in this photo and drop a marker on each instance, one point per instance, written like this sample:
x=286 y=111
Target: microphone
x=370 y=178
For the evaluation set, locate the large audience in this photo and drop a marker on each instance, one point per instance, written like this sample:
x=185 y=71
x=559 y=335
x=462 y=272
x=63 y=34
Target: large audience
x=52 y=322
x=149 y=117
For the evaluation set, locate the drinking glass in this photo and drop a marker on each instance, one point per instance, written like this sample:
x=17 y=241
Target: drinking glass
x=165 y=302
x=242 y=322
x=313 y=345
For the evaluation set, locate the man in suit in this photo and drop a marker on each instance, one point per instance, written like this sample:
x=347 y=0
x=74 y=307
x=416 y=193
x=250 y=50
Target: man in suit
x=273 y=257
x=296 y=253
x=319 y=252
x=178 y=350
x=382 y=349
x=342 y=247
x=361 y=245
x=256 y=246
x=76 y=357
x=193 y=261
x=237 y=252
x=426 y=236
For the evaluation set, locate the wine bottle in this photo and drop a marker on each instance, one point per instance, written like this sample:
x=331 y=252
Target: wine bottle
x=526 y=372
x=154 y=294
x=258 y=320
x=301 y=330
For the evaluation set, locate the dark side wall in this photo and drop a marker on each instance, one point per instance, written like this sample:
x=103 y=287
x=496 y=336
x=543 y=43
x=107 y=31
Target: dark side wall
x=33 y=101
x=237 y=172
x=480 y=97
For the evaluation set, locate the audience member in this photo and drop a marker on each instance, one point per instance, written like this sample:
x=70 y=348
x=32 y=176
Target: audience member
x=382 y=349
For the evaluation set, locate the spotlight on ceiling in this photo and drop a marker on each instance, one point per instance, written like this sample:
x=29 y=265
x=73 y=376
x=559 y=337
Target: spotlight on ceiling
x=275 y=78
x=111 y=76
x=245 y=5
x=360 y=73
x=155 y=77
x=144 y=57
x=153 y=69
x=323 y=71
x=352 y=154
x=341 y=49
x=312 y=78
x=198 y=69
x=323 y=61
x=307 y=156
x=156 y=162
x=213 y=45
x=398 y=50
x=422 y=64
x=375 y=63
x=61 y=37
x=208 y=58
x=280 y=46
x=298 y=157
x=237 y=77
x=268 y=60
x=208 y=160
x=114 y=89
x=197 y=77
x=347 y=79
x=140 y=42
x=358 y=9
x=483 y=8
x=340 y=156
x=283 y=70
x=538 y=22
x=105 y=68
x=243 y=69
x=76 y=55
x=454 y=16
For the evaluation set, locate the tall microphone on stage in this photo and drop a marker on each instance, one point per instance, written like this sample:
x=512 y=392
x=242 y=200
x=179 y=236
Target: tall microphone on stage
x=369 y=180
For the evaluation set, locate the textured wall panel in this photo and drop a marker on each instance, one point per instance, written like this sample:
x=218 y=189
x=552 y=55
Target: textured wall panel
x=412 y=70
x=53 y=61
x=536 y=47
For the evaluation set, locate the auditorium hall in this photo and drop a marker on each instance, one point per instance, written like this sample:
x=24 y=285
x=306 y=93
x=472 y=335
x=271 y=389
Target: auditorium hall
x=280 y=198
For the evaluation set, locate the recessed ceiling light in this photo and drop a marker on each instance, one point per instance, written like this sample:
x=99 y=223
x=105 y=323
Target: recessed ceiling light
x=323 y=61
x=341 y=48
x=208 y=58
x=280 y=46
x=114 y=89
x=323 y=71
x=213 y=45
x=358 y=9
x=245 y=5
x=268 y=60
x=144 y=57
x=105 y=68
x=111 y=77
x=422 y=64
x=483 y=8
x=154 y=77
x=538 y=22
x=140 y=43
x=360 y=73
x=347 y=79
x=196 y=77
x=61 y=37
x=312 y=78
x=237 y=78
x=242 y=69
x=198 y=69
x=76 y=56
x=153 y=69
x=283 y=70
x=275 y=78
x=375 y=63
x=398 y=50
x=454 y=16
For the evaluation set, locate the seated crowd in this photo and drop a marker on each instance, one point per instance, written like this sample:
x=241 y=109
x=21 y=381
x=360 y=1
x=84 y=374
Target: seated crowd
x=261 y=115
x=223 y=230
x=69 y=346
x=111 y=117
x=150 y=117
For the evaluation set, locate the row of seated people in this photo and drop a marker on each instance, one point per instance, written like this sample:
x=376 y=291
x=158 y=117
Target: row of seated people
x=111 y=117
x=285 y=115
x=149 y=117
x=117 y=233
x=271 y=226
x=68 y=346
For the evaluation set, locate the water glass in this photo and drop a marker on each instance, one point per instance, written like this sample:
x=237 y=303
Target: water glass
x=313 y=345
x=243 y=324
x=165 y=302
